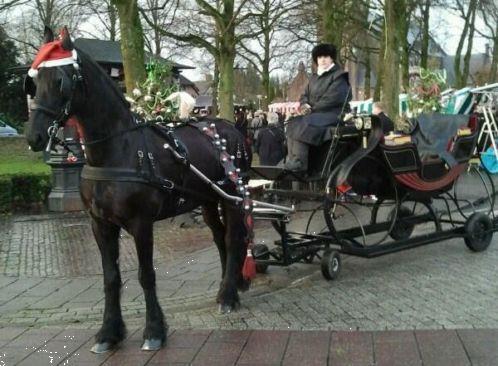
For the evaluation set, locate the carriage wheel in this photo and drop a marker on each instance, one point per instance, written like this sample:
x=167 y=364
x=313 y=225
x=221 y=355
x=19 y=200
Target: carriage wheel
x=478 y=230
x=473 y=192
x=331 y=264
x=261 y=251
x=402 y=229
x=350 y=216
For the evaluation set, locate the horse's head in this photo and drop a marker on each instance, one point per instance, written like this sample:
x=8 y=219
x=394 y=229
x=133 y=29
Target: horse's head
x=52 y=82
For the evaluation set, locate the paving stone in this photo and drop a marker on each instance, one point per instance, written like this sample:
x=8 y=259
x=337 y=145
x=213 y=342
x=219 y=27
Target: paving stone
x=440 y=348
x=307 y=348
x=396 y=348
x=351 y=348
x=63 y=294
x=264 y=348
x=481 y=345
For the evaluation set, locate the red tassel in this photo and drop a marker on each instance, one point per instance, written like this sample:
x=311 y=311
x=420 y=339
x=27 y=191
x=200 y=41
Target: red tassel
x=249 y=268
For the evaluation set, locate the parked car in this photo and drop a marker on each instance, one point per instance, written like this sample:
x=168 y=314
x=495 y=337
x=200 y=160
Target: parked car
x=6 y=130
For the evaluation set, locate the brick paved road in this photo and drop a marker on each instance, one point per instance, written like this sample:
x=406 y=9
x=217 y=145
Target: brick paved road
x=434 y=287
x=51 y=277
x=54 y=346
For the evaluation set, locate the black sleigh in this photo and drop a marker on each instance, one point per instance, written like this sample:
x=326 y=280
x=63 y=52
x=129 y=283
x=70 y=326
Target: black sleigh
x=381 y=194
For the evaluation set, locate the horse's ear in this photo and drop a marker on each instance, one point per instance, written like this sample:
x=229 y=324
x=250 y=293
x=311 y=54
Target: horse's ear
x=67 y=44
x=48 y=35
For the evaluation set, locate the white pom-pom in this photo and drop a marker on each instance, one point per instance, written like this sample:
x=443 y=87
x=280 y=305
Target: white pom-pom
x=33 y=73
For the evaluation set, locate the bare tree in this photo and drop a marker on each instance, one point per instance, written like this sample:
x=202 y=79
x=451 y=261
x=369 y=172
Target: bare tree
x=7 y=4
x=272 y=45
x=489 y=14
x=467 y=10
x=161 y=13
x=215 y=30
x=103 y=16
x=31 y=17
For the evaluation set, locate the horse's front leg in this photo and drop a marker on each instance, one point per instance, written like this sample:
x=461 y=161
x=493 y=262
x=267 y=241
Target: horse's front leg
x=235 y=234
x=155 y=326
x=113 y=328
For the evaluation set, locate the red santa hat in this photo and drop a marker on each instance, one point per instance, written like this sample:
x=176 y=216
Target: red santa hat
x=52 y=54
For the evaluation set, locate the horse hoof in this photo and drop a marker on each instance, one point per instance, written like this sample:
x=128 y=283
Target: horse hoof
x=101 y=347
x=152 y=344
x=225 y=309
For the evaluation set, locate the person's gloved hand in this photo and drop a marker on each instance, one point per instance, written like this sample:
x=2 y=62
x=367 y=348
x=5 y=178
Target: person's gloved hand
x=305 y=109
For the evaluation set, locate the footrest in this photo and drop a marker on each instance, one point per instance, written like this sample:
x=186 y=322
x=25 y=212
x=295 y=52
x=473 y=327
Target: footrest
x=276 y=173
x=262 y=213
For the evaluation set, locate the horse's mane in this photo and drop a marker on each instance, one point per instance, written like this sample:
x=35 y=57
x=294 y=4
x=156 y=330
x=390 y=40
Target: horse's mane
x=87 y=60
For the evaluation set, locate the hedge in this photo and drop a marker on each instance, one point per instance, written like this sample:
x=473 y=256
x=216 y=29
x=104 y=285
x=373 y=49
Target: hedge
x=23 y=190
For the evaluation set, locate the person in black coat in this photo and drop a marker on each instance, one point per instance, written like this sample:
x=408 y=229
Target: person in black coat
x=270 y=142
x=325 y=98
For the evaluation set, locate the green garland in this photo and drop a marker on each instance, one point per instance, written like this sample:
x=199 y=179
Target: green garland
x=424 y=95
x=149 y=98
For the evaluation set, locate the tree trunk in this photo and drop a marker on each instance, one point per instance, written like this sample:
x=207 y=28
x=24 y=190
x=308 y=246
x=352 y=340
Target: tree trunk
x=132 y=43
x=424 y=52
x=227 y=41
x=404 y=23
x=380 y=65
x=394 y=10
x=113 y=17
x=225 y=89
x=459 y=82
x=332 y=23
x=466 y=59
x=368 y=80
x=214 y=87
x=493 y=77
x=265 y=77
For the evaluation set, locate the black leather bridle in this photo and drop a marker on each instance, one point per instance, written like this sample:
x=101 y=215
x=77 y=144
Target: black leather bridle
x=61 y=116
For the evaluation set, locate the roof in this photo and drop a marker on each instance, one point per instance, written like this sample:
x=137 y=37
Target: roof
x=186 y=82
x=204 y=86
x=103 y=51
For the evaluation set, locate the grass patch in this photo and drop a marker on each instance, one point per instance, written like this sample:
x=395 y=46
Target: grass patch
x=24 y=176
x=15 y=157
x=20 y=167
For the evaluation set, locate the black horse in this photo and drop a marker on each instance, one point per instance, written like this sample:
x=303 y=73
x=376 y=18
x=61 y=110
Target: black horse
x=113 y=142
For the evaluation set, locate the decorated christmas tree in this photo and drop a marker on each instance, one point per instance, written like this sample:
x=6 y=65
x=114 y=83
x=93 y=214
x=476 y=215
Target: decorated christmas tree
x=149 y=100
x=425 y=92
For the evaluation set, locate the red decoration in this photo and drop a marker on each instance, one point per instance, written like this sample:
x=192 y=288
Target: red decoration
x=52 y=54
x=249 y=268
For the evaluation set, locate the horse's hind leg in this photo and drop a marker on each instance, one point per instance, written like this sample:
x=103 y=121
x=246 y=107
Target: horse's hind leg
x=211 y=218
x=235 y=234
x=155 y=326
x=113 y=328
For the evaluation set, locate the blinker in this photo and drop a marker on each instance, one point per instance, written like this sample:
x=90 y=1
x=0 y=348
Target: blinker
x=29 y=86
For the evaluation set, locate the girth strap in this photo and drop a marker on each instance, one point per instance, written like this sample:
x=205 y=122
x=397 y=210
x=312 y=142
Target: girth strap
x=123 y=175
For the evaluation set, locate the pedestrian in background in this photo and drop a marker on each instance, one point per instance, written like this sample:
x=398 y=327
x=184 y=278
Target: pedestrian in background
x=270 y=142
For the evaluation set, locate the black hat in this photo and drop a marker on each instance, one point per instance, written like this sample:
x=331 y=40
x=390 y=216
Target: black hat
x=324 y=49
